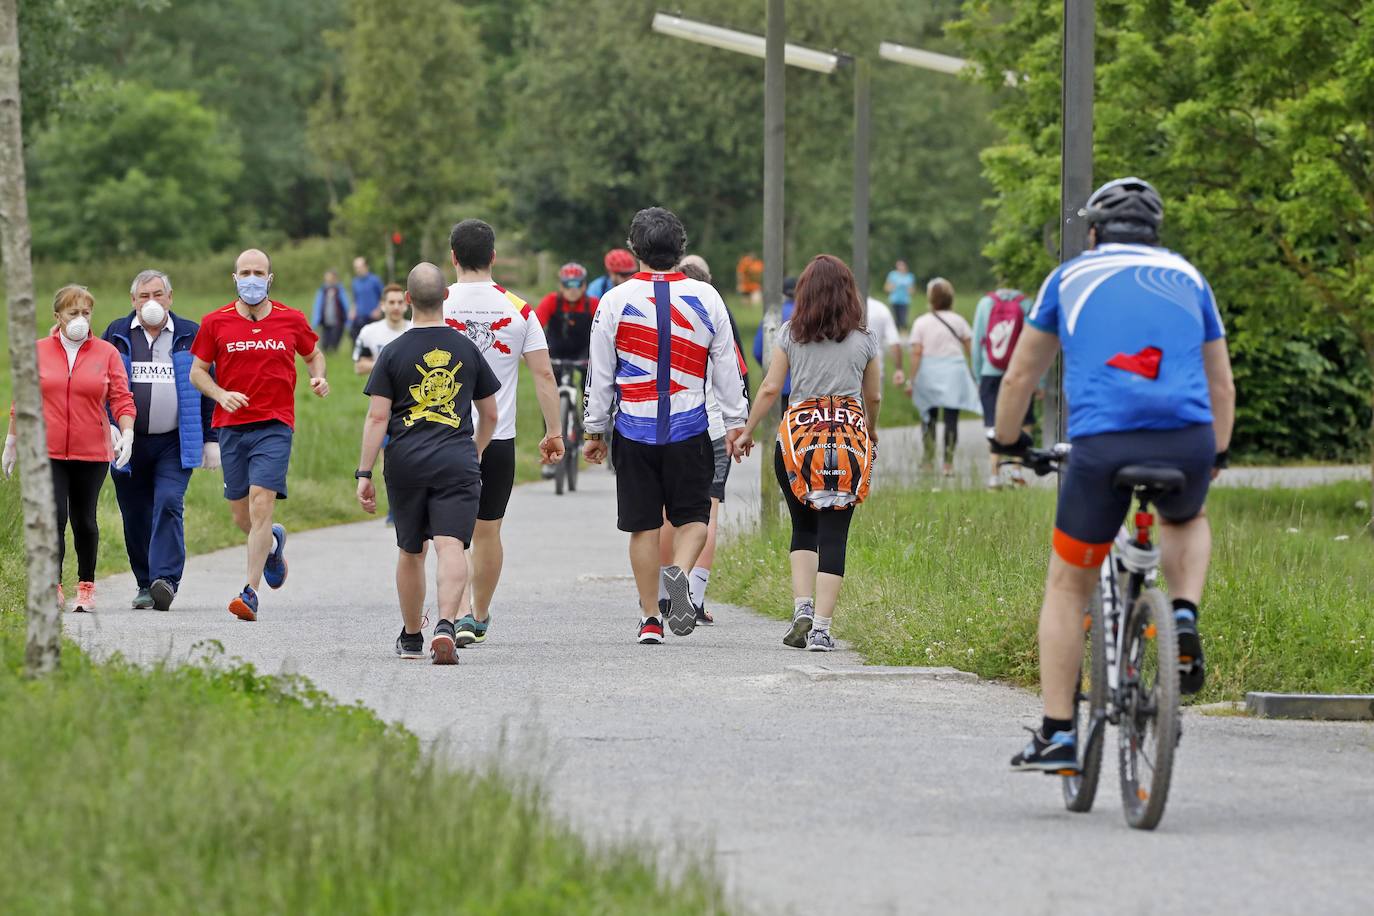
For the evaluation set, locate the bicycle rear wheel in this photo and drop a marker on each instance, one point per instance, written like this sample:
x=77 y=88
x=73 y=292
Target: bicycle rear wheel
x=1089 y=712
x=1149 y=709
x=572 y=439
x=560 y=470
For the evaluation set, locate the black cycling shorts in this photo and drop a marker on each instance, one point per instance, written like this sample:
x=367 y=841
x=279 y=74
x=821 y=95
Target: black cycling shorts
x=425 y=512
x=498 y=478
x=723 y=462
x=1091 y=509
x=652 y=481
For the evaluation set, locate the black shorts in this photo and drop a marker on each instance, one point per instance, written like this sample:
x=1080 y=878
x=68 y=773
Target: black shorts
x=498 y=478
x=652 y=481
x=988 y=388
x=723 y=463
x=1091 y=510
x=445 y=510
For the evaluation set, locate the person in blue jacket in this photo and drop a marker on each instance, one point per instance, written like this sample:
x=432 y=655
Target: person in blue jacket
x=172 y=437
x=367 y=296
x=332 y=315
x=789 y=289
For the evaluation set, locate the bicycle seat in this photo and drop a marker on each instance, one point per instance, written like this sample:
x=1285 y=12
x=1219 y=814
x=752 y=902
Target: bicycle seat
x=1156 y=479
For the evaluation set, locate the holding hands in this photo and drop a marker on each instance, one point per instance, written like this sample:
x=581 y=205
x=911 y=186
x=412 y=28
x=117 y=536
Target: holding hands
x=124 y=449
x=551 y=448
x=739 y=443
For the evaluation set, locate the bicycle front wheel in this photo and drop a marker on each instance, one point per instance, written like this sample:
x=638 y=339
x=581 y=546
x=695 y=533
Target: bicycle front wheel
x=1089 y=712
x=1149 y=709
x=560 y=470
x=572 y=436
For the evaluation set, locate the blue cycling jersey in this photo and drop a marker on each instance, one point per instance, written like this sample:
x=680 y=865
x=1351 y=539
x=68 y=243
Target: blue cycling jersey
x=1131 y=320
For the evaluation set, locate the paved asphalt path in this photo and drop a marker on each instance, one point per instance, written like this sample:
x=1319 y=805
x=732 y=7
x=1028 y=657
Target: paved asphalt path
x=813 y=797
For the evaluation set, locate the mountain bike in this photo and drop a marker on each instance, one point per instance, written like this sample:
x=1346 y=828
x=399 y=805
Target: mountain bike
x=1130 y=672
x=570 y=422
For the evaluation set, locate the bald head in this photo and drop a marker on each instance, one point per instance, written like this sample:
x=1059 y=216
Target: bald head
x=426 y=289
x=252 y=262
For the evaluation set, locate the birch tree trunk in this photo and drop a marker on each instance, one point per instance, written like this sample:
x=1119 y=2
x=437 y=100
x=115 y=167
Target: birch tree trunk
x=43 y=650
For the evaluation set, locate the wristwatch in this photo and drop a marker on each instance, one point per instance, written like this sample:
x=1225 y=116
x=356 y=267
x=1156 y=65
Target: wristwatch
x=358 y=475
x=592 y=437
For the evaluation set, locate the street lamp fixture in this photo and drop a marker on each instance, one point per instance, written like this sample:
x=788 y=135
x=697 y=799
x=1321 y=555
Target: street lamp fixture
x=926 y=60
x=743 y=42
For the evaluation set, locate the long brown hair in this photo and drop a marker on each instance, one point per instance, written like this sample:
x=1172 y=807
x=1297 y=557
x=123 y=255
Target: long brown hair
x=827 y=302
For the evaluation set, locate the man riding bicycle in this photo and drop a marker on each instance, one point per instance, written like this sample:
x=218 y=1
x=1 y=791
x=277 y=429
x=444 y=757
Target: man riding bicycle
x=567 y=316
x=1148 y=381
x=620 y=266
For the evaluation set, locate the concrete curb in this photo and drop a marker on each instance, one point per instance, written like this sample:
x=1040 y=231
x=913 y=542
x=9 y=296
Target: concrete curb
x=1347 y=707
x=879 y=673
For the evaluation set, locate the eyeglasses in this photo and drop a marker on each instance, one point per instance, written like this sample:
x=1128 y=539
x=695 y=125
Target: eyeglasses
x=572 y=284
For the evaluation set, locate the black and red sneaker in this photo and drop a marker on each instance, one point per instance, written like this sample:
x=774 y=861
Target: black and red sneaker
x=650 y=631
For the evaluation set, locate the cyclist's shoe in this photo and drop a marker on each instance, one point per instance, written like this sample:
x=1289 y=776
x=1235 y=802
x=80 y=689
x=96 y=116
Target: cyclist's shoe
x=1192 y=668
x=410 y=645
x=1057 y=756
x=443 y=648
x=143 y=601
x=274 y=570
x=650 y=631
x=820 y=641
x=245 y=606
x=163 y=594
x=682 y=615
x=801 y=626
x=471 y=630
x=704 y=618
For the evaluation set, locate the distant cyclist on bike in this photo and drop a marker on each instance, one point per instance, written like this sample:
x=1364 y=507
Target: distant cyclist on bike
x=1148 y=381
x=620 y=266
x=567 y=316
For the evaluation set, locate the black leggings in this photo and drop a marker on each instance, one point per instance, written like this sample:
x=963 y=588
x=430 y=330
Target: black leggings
x=928 y=434
x=823 y=532
x=76 y=484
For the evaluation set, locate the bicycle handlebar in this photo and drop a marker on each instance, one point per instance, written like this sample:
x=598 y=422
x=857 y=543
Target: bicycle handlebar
x=1042 y=461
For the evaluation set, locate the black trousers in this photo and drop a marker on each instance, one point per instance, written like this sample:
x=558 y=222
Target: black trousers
x=825 y=532
x=76 y=484
x=330 y=336
x=928 y=434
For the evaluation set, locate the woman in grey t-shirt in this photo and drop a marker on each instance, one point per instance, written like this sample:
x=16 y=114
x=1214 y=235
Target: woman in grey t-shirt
x=830 y=353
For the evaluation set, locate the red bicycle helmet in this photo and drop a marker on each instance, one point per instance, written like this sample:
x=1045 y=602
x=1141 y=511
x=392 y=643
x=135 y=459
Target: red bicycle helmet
x=572 y=273
x=620 y=261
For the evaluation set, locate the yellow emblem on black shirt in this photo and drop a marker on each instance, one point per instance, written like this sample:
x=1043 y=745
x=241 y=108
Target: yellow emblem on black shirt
x=437 y=391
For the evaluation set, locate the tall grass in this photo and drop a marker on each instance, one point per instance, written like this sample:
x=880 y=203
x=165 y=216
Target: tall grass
x=956 y=578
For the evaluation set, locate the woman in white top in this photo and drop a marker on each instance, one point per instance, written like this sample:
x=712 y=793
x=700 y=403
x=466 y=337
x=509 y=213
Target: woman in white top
x=940 y=379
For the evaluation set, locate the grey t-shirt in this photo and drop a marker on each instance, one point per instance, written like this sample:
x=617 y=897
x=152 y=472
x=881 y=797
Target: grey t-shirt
x=834 y=368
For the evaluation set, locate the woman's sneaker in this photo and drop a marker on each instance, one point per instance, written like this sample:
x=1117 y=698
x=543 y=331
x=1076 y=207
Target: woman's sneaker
x=410 y=645
x=85 y=598
x=650 y=631
x=820 y=641
x=274 y=570
x=443 y=648
x=801 y=626
x=1056 y=755
x=470 y=630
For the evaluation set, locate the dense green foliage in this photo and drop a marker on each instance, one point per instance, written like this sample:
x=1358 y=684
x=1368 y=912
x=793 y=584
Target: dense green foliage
x=956 y=578
x=1253 y=120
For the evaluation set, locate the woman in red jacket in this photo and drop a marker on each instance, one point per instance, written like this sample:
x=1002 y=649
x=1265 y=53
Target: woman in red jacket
x=80 y=376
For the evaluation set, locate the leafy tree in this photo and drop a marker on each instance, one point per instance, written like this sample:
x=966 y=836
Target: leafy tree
x=129 y=169
x=1254 y=121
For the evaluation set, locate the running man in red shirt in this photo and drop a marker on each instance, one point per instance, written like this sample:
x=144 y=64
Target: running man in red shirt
x=252 y=343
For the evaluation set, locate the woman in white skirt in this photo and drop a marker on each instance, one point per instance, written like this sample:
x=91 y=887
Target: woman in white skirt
x=940 y=379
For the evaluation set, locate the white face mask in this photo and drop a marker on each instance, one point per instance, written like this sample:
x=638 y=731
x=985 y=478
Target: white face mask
x=152 y=313
x=78 y=329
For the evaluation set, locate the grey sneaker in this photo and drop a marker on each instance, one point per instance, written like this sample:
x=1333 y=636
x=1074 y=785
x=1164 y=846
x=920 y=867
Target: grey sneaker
x=820 y=641
x=682 y=615
x=143 y=601
x=801 y=625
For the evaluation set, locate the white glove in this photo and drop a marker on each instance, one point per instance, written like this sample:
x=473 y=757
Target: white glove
x=11 y=455
x=114 y=437
x=209 y=456
x=124 y=450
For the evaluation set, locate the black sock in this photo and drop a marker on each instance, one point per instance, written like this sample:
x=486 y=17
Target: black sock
x=1049 y=726
x=1183 y=604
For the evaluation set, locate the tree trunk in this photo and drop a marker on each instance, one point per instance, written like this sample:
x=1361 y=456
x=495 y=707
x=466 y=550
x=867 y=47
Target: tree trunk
x=43 y=651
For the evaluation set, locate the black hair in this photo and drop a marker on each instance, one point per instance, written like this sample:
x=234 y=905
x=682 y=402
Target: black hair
x=657 y=238
x=473 y=243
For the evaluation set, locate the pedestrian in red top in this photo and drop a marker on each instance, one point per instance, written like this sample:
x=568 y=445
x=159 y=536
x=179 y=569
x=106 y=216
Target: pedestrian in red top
x=83 y=384
x=252 y=343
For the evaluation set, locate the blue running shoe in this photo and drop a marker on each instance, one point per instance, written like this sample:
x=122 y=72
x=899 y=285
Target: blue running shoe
x=470 y=630
x=1054 y=756
x=274 y=570
x=245 y=606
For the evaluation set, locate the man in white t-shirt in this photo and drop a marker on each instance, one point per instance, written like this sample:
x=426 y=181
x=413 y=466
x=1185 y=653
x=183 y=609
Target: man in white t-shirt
x=505 y=329
x=883 y=327
x=374 y=337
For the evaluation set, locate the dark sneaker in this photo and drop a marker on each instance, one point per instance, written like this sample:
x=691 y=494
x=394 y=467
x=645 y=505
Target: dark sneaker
x=801 y=625
x=274 y=570
x=704 y=618
x=410 y=645
x=143 y=601
x=470 y=630
x=1057 y=755
x=651 y=631
x=443 y=647
x=820 y=641
x=245 y=606
x=682 y=615
x=1192 y=668
x=162 y=594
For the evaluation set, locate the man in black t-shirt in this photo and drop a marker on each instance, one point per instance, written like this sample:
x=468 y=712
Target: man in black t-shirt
x=423 y=389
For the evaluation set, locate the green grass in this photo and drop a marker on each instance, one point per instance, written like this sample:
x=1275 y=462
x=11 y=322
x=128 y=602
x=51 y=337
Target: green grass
x=956 y=578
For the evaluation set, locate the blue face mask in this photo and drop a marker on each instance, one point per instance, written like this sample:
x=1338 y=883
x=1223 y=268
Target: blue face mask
x=252 y=290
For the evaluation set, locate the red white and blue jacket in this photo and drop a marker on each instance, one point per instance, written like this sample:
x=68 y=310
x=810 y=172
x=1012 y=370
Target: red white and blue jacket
x=656 y=339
